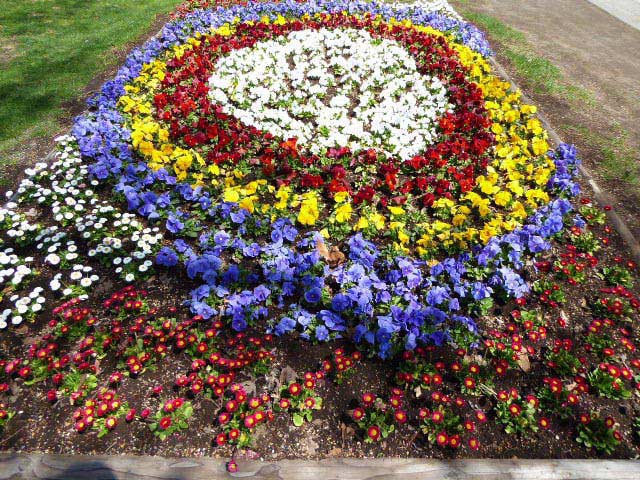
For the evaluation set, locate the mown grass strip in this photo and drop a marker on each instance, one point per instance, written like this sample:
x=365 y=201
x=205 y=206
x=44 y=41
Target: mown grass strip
x=49 y=52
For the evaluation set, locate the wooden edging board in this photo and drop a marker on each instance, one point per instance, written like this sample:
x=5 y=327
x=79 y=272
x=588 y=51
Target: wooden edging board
x=19 y=466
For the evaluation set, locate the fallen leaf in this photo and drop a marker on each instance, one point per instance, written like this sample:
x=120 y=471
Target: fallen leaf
x=347 y=431
x=475 y=358
x=309 y=445
x=287 y=374
x=247 y=454
x=322 y=249
x=523 y=362
x=249 y=387
x=335 y=452
x=332 y=255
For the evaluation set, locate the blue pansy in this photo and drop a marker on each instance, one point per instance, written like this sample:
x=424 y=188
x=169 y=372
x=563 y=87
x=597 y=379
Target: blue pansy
x=167 y=257
x=313 y=295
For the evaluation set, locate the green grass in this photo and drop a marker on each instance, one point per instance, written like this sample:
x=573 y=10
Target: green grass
x=50 y=50
x=617 y=157
x=539 y=72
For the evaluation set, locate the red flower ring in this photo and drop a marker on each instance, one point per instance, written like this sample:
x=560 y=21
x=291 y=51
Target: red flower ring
x=445 y=169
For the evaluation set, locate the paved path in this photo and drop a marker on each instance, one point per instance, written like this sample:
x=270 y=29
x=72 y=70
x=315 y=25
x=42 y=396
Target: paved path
x=626 y=10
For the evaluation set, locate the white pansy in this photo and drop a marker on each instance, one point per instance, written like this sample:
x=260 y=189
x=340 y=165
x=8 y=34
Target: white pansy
x=332 y=88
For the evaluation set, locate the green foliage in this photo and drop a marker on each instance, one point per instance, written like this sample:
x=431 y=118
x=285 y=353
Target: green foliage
x=593 y=215
x=617 y=275
x=78 y=382
x=586 y=242
x=550 y=290
x=517 y=415
x=5 y=415
x=300 y=402
x=564 y=362
x=168 y=421
x=599 y=342
x=378 y=417
x=598 y=435
x=608 y=386
x=442 y=420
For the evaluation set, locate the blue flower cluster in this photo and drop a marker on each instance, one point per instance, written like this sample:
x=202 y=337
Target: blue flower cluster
x=387 y=306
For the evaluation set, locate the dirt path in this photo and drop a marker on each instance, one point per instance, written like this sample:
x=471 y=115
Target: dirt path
x=598 y=52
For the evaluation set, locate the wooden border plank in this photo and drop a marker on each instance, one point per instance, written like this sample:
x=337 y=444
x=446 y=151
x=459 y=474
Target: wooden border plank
x=22 y=466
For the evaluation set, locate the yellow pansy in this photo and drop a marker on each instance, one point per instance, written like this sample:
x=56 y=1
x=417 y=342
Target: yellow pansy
x=396 y=210
x=377 y=219
x=231 y=195
x=362 y=223
x=502 y=198
x=341 y=197
x=343 y=213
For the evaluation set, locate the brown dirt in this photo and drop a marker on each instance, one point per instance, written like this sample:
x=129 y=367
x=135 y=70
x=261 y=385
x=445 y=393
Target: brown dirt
x=593 y=51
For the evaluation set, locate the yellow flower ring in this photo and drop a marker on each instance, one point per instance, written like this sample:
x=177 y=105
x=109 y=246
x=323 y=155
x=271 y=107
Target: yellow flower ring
x=506 y=183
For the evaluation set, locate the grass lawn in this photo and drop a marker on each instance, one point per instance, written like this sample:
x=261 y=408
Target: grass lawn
x=50 y=50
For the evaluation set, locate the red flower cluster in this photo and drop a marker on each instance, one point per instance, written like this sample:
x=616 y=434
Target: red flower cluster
x=445 y=169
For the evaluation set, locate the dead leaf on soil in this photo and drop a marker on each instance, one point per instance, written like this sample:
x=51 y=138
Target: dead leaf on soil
x=335 y=452
x=418 y=392
x=523 y=362
x=347 y=431
x=247 y=454
x=249 y=387
x=332 y=255
x=475 y=358
x=21 y=330
x=287 y=374
x=309 y=445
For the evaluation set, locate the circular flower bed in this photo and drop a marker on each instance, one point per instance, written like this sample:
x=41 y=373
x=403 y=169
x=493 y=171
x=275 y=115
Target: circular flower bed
x=324 y=171
x=475 y=177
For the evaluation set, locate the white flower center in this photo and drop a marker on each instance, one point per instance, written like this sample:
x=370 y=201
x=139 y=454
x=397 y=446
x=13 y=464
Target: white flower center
x=332 y=88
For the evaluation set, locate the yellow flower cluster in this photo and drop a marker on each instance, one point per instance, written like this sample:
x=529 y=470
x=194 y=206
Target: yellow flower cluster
x=511 y=189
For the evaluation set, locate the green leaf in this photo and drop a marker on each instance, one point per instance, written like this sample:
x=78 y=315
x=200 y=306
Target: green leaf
x=298 y=420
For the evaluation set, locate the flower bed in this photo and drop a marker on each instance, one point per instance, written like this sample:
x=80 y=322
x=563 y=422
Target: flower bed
x=277 y=214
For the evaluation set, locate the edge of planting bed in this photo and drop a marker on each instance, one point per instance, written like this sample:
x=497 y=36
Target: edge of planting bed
x=16 y=466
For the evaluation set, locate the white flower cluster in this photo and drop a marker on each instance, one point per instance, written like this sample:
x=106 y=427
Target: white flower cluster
x=16 y=226
x=24 y=307
x=146 y=241
x=332 y=88
x=438 y=6
x=13 y=269
x=62 y=194
x=79 y=280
